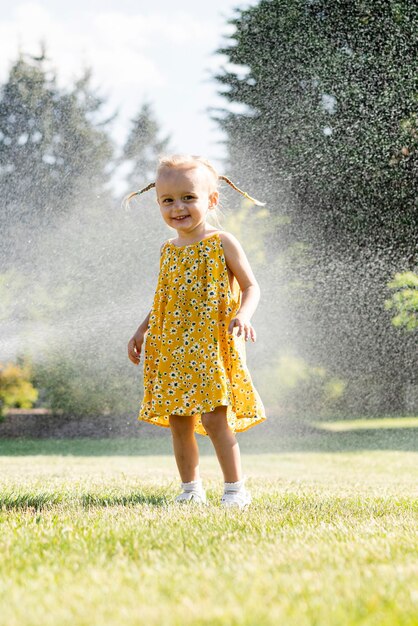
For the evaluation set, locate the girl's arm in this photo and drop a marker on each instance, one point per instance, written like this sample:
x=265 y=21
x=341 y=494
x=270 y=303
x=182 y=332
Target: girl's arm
x=136 y=341
x=142 y=328
x=238 y=263
x=249 y=301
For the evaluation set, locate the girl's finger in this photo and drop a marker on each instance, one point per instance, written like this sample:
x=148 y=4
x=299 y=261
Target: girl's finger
x=133 y=352
x=232 y=325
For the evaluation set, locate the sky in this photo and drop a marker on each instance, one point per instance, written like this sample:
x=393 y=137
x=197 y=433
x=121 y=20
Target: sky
x=160 y=51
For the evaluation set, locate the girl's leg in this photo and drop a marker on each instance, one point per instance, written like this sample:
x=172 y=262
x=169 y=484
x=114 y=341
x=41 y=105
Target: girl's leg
x=224 y=442
x=185 y=446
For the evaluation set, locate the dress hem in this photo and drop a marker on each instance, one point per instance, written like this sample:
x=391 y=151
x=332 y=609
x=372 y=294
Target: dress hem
x=260 y=420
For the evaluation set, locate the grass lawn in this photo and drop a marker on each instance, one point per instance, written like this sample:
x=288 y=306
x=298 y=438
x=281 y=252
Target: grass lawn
x=90 y=535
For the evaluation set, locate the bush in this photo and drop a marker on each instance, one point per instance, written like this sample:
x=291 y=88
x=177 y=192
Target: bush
x=297 y=389
x=16 y=389
x=75 y=386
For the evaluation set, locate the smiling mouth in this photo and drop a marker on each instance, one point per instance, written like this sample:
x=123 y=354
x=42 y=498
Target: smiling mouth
x=180 y=218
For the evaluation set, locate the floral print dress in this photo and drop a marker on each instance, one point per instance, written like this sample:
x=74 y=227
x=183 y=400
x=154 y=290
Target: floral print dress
x=191 y=363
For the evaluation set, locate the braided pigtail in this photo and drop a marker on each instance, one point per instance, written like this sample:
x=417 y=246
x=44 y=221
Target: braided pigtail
x=129 y=197
x=243 y=193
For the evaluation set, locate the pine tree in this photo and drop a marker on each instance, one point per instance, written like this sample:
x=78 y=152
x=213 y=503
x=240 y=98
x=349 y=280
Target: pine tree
x=143 y=147
x=328 y=93
x=327 y=133
x=54 y=152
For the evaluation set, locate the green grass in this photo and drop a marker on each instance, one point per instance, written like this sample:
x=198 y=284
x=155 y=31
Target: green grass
x=90 y=535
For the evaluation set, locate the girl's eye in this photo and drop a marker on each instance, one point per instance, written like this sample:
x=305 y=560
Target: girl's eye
x=166 y=200
x=189 y=197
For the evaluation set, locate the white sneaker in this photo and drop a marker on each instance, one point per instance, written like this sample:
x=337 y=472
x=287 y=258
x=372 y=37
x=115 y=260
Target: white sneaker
x=192 y=491
x=236 y=495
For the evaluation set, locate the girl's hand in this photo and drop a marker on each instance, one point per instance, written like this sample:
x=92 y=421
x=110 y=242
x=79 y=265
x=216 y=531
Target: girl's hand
x=134 y=347
x=244 y=326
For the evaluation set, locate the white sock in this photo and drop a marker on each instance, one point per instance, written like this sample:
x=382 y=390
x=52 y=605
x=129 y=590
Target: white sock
x=193 y=485
x=235 y=486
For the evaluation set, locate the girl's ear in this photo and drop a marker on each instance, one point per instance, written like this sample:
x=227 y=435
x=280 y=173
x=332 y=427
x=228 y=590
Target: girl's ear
x=213 y=199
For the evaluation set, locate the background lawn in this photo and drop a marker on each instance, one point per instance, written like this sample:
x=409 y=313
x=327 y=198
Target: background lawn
x=90 y=534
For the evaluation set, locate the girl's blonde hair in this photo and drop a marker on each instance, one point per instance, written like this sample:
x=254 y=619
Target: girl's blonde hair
x=179 y=160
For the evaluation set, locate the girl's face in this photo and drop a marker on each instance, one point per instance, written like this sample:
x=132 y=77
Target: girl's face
x=184 y=197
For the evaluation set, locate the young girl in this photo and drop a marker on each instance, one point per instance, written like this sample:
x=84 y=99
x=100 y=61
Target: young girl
x=195 y=374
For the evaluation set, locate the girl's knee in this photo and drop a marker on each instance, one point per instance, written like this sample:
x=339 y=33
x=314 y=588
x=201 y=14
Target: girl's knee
x=215 y=421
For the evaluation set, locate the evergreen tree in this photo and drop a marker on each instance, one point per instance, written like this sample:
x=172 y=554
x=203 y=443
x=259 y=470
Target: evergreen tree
x=329 y=90
x=143 y=147
x=54 y=152
x=327 y=132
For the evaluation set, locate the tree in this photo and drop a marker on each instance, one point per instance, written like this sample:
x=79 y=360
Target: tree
x=143 y=147
x=327 y=132
x=329 y=91
x=53 y=149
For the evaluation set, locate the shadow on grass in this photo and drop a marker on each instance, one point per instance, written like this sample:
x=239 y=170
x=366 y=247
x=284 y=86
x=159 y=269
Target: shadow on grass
x=40 y=501
x=301 y=439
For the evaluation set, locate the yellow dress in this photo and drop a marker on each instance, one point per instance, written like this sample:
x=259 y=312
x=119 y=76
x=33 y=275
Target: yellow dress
x=191 y=363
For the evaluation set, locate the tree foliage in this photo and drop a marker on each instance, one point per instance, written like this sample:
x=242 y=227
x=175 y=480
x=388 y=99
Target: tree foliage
x=404 y=300
x=54 y=149
x=328 y=95
x=321 y=121
x=143 y=147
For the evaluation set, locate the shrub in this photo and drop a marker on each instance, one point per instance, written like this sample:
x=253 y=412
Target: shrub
x=296 y=388
x=74 y=386
x=16 y=389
